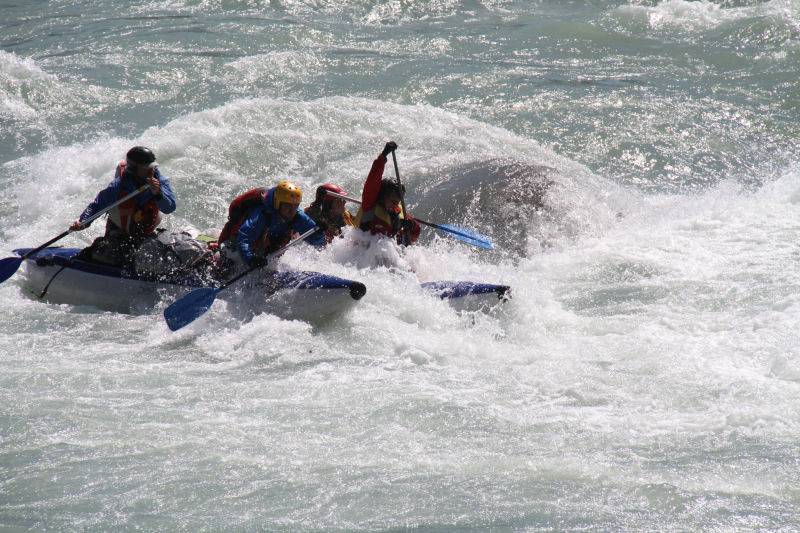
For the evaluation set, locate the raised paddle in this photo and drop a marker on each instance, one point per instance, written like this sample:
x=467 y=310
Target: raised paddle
x=463 y=234
x=402 y=195
x=9 y=265
x=190 y=307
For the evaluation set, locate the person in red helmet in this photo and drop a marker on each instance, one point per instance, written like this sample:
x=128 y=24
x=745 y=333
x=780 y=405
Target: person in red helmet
x=380 y=210
x=330 y=210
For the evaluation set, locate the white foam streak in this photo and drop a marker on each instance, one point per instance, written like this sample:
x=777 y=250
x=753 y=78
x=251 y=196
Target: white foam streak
x=704 y=15
x=662 y=319
x=22 y=83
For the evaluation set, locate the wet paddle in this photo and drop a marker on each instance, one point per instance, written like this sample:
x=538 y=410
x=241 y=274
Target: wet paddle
x=190 y=307
x=402 y=194
x=9 y=265
x=463 y=234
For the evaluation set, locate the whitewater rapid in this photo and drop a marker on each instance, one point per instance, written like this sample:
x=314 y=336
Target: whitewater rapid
x=634 y=162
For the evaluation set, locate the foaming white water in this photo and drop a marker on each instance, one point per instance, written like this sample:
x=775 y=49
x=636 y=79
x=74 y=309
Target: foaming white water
x=212 y=156
x=695 y=298
x=21 y=81
x=632 y=362
x=704 y=15
x=680 y=13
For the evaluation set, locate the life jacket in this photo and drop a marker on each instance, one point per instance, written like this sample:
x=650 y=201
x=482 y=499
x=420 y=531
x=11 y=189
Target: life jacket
x=237 y=213
x=136 y=221
x=380 y=221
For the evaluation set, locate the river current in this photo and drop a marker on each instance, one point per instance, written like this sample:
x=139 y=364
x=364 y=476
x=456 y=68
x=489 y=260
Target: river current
x=635 y=162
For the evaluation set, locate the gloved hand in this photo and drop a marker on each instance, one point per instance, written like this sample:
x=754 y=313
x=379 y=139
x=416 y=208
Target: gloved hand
x=390 y=147
x=408 y=226
x=322 y=226
x=257 y=261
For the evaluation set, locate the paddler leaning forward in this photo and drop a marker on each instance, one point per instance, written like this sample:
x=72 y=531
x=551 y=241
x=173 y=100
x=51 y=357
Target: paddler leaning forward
x=260 y=222
x=330 y=210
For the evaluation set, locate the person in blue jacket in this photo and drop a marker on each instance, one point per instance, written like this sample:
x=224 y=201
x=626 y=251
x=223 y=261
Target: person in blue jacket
x=134 y=220
x=268 y=225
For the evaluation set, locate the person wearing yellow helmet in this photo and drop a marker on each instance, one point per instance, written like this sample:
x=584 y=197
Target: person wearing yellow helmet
x=288 y=193
x=262 y=220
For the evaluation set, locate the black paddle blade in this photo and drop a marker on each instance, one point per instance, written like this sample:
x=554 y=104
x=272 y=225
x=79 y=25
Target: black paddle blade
x=8 y=267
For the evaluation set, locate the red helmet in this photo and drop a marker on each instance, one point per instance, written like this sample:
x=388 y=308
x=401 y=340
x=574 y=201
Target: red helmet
x=322 y=192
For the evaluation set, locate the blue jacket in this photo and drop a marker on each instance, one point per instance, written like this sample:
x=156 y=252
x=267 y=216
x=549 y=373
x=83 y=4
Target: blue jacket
x=255 y=223
x=120 y=187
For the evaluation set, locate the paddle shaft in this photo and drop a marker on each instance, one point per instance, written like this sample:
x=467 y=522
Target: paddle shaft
x=402 y=195
x=86 y=222
x=462 y=234
x=357 y=201
x=237 y=277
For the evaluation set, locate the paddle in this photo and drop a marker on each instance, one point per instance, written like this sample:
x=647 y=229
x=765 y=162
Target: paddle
x=463 y=234
x=9 y=265
x=190 y=307
x=402 y=195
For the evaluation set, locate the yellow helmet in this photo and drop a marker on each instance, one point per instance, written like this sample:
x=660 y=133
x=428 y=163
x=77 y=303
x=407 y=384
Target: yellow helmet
x=288 y=192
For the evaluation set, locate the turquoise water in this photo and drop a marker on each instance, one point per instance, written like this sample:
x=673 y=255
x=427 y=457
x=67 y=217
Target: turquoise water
x=636 y=163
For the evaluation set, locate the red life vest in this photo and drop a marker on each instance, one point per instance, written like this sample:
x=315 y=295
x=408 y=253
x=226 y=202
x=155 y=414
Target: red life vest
x=137 y=221
x=381 y=221
x=237 y=212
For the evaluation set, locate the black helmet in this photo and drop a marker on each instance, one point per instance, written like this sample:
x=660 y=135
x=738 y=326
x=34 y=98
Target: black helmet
x=139 y=156
x=389 y=186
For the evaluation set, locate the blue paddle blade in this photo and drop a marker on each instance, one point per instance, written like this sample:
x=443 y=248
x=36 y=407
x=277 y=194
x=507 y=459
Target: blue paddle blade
x=467 y=235
x=8 y=267
x=187 y=309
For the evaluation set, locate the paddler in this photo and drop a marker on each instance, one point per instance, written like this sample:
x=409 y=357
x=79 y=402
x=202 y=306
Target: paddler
x=380 y=211
x=261 y=221
x=330 y=210
x=133 y=221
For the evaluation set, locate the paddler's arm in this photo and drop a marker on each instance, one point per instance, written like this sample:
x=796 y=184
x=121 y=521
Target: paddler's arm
x=250 y=231
x=372 y=185
x=165 y=198
x=303 y=223
x=411 y=228
x=104 y=198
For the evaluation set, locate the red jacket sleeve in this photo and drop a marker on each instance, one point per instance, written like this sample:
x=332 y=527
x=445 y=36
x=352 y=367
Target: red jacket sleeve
x=369 y=195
